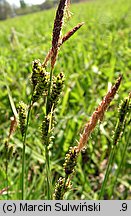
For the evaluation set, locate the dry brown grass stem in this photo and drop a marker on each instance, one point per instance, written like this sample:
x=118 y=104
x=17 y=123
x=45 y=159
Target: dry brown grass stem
x=13 y=125
x=98 y=114
x=47 y=58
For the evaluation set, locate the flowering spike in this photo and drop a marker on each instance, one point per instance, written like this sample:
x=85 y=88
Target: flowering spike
x=46 y=129
x=98 y=114
x=57 y=30
x=40 y=80
x=22 y=117
x=60 y=189
x=124 y=108
x=71 y=32
x=70 y=160
x=36 y=66
x=57 y=86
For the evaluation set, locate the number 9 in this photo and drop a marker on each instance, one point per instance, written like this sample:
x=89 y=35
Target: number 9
x=124 y=206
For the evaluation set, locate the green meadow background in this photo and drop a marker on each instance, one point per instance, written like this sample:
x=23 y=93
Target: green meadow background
x=91 y=60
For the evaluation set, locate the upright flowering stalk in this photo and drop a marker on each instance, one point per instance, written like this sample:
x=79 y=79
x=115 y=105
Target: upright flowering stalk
x=55 y=84
x=58 y=22
x=47 y=123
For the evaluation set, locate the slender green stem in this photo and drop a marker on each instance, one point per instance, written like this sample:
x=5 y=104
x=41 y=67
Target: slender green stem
x=66 y=177
x=23 y=153
x=47 y=145
x=7 y=177
x=48 y=172
x=121 y=162
x=49 y=90
x=112 y=153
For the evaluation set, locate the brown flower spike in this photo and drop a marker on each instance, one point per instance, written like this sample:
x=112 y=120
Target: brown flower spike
x=57 y=30
x=57 y=41
x=70 y=33
x=98 y=114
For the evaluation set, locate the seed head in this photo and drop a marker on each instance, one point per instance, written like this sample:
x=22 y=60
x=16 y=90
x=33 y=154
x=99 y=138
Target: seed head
x=70 y=160
x=46 y=129
x=98 y=114
x=41 y=87
x=71 y=32
x=36 y=68
x=22 y=117
x=57 y=30
x=123 y=110
x=60 y=189
x=57 y=87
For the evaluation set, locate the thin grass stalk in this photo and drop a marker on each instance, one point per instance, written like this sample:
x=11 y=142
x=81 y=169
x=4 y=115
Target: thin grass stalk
x=46 y=147
x=121 y=162
x=48 y=172
x=23 y=152
x=112 y=153
x=7 y=176
x=49 y=91
x=6 y=165
x=66 y=178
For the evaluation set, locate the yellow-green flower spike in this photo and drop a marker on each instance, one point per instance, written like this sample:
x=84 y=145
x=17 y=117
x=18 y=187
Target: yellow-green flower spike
x=22 y=117
x=46 y=129
x=70 y=160
x=35 y=72
x=60 y=189
x=56 y=90
x=41 y=87
x=124 y=108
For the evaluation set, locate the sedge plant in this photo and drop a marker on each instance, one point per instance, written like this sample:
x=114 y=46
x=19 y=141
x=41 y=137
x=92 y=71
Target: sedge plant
x=45 y=84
